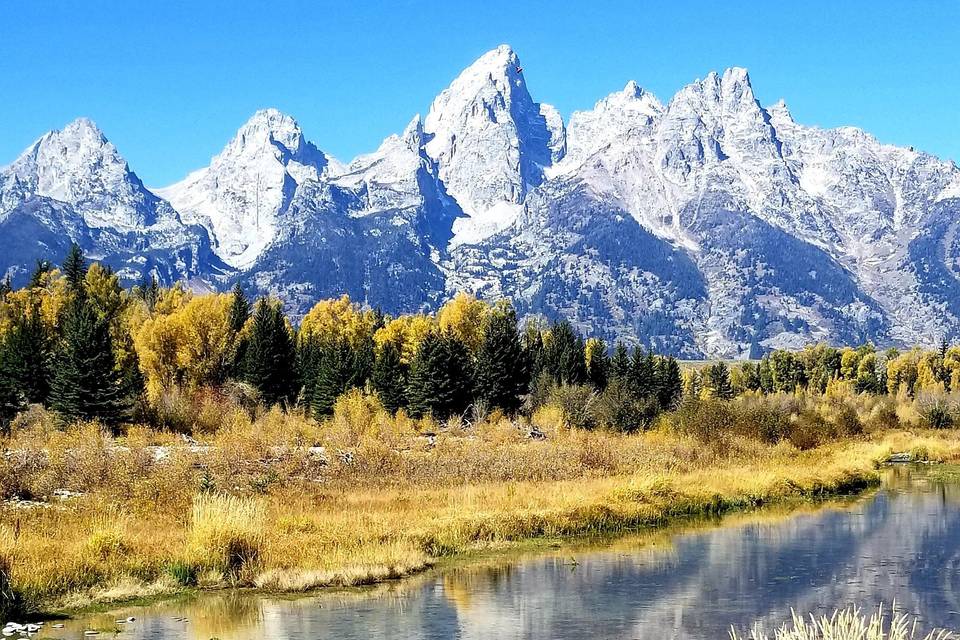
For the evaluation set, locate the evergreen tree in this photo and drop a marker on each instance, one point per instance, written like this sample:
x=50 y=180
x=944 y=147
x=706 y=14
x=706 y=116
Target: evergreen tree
x=239 y=314
x=620 y=363
x=11 y=402
x=564 y=356
x=943 y=373
x=74 y=268
x=717 y=380
x=389 y=377
x=751 y=376
x=239 y=309
x=670 y=383
x=270 y=356
x=643 y=370
x=502 y=371
x=441 y=381
x=335 y=371
x=86 y=384
x=362 y=359
x=598 y=366
x=533 y=346
x=766 y=375
x=26 y=356
x=6 y=287
x=42 y=268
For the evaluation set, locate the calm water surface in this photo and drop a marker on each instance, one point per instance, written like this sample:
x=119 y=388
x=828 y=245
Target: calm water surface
x=902 y=543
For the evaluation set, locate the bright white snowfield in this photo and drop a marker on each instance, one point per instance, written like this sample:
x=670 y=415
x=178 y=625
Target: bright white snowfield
x=706 y=225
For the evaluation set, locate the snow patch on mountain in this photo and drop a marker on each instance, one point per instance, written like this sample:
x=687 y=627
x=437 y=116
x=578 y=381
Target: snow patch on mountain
x=240 y=195
x=491 y=142
x=79 y=166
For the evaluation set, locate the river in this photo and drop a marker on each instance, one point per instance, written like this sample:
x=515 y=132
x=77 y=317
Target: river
x=900 y=543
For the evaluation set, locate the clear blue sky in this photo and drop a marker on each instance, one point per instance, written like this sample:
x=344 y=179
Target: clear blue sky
x=170 y=82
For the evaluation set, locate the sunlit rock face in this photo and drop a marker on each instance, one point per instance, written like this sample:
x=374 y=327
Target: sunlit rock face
x=707 y=225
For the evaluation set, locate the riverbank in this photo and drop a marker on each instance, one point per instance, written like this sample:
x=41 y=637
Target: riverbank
x=136 y=524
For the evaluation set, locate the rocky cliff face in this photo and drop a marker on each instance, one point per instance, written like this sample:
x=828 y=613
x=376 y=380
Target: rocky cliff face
x=708 y=225
x=73 y=186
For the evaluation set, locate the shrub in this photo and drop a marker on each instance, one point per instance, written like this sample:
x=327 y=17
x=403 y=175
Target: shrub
x=708 y=420
x=936 y=412
x=845 y=624
x=183 y=573
x=619 y=409
x=106 y=540
x=576 y=405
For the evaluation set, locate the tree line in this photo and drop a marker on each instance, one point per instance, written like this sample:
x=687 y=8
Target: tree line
x=74 y=340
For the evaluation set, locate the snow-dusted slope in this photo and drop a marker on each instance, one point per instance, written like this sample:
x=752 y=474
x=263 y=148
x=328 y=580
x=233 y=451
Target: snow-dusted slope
x=239 y=197
x=492 y=142
x=706 y=225
x=850 y=208
x=79 y=166
x=72 y=185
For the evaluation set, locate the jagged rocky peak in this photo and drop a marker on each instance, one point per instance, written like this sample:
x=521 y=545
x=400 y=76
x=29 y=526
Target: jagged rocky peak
x=240 y=195
x=490 y=139
x=713 y=119
x=273 y=132
x=79 y=166
x=612 y=118
x=780 y=113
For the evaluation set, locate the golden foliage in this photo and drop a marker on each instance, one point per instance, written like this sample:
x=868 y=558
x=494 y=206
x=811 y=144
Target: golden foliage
x=191 y=346
x=465 y=317
x=338 y=319
x=408 y=331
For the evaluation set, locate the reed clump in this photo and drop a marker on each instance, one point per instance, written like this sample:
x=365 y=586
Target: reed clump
x=226 y=534
x=847 y=624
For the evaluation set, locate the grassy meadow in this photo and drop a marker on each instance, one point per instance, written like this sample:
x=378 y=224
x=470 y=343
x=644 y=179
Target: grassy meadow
x=272 y=500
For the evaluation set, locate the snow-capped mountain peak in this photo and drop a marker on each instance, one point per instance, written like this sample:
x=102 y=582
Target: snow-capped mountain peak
x=613 y=118
x=79 y=166
x=491 y=141
x=704 y=225
x=240 y=195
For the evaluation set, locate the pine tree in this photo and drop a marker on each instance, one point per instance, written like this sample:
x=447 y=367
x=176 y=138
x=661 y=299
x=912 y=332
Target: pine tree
x=270 y=356
x=239 y=314
x=598 y=365
x=11 y=401
x=26 y=356
x=389 y=377
x=335 y=371
x=766 y=375
x=534 y=349
x=441 y=381
x=502 y=371
x=717 y=381
x=42 y=268
x=564 y=356
x=643 y=381
x=670 y=383
x=239 y=309
x=86 y=384
x=620 y=363
x=308 y=351
x=751 y=376
x=74 y=268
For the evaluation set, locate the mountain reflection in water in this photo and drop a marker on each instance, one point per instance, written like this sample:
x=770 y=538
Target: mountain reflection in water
x=901 y=544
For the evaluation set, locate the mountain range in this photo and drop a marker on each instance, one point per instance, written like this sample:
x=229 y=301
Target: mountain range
x=707 y=226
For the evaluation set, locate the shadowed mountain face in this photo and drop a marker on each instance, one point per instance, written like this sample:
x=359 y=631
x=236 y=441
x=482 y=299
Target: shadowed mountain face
x=902 y=544
x=708 y=225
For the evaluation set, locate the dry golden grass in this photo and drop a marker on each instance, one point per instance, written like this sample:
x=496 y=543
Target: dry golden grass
x=255 y=504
